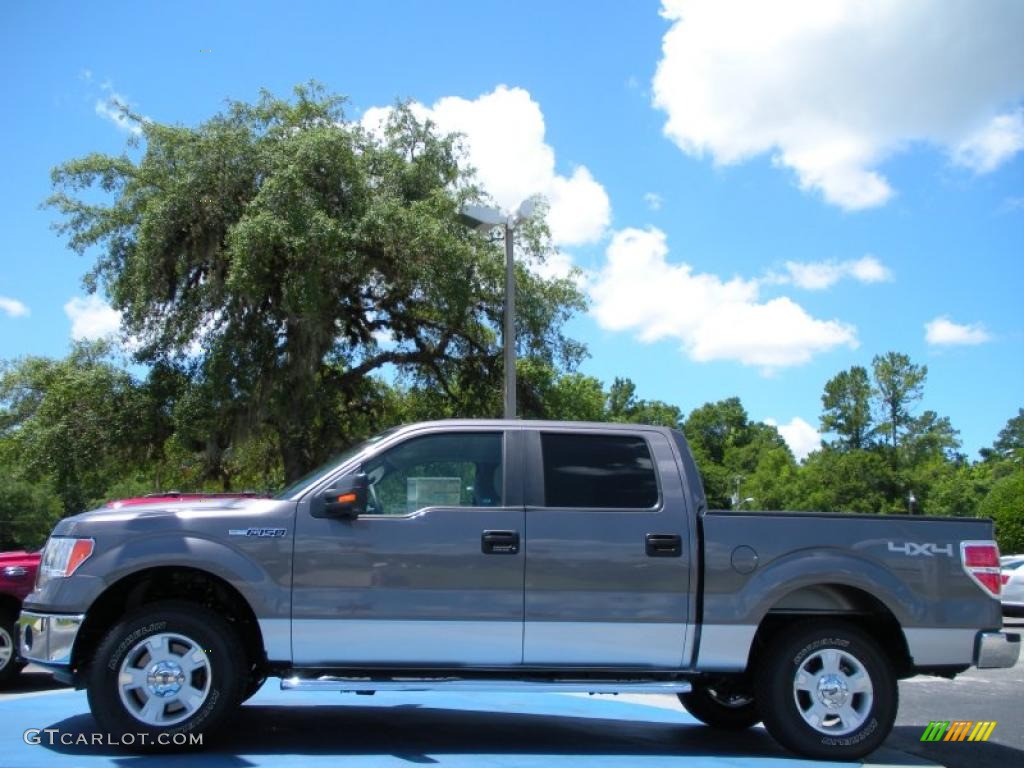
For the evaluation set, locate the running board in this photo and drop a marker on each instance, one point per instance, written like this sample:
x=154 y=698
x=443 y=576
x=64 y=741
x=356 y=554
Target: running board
x=366 y=685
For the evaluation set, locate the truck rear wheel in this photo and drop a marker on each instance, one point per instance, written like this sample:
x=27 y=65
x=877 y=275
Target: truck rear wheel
x=169 y=671
x=721 y=707
x=9 y=667
x=826 y=691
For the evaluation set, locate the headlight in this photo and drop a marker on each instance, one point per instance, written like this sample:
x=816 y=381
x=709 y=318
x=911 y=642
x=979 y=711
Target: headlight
x=61 y=557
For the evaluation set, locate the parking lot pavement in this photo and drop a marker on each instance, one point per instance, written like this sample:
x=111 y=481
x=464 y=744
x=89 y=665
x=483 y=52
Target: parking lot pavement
x=977 y=694
x=474 y=731
x=282 y=728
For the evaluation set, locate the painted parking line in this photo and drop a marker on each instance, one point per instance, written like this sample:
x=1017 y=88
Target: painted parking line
x=288 y=728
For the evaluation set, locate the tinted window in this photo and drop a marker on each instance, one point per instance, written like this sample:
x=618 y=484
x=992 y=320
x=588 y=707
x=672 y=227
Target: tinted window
x=607 y=471
x=444 y=470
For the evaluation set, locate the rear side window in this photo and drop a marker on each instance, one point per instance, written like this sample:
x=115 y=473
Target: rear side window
x=603 y=471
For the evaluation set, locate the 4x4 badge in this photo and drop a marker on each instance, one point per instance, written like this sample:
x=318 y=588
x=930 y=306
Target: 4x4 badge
x=913 y=549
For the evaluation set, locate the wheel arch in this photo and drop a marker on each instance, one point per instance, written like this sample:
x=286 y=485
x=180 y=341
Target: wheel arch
x=836 y=600
x=164 y=582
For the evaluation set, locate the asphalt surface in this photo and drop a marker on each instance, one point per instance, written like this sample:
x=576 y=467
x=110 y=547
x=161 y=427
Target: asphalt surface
x=544 y=731
x=978 y=694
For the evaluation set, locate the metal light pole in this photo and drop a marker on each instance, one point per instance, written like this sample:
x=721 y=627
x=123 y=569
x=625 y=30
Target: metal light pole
x=485 y=219
x=508 y=336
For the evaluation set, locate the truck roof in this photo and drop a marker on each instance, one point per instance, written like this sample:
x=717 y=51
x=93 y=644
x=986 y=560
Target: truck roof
x=604 y=426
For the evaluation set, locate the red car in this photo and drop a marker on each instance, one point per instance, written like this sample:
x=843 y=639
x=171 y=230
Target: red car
x=18 y=575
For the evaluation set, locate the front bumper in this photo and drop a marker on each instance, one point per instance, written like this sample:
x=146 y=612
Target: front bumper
x=996 y=650
x=47 y=638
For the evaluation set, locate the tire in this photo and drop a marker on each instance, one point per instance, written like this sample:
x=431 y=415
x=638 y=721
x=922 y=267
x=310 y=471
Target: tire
x=728 y=710
x=252 y=686
x=826 y=691
x=9 y=665
x=201 y=664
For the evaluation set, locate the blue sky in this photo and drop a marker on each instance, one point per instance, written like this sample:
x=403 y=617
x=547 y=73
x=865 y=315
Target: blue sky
x=759 y=196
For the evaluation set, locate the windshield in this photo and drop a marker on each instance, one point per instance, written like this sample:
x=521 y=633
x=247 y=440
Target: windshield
x=312 y=478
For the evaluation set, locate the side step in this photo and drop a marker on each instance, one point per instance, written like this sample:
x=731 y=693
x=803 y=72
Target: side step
x=367 y=685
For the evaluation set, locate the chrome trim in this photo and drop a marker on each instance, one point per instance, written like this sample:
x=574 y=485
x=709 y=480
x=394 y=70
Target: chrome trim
x=48 y=638
x=577 y=643
x=997 y=650
x=277 y=638
x=937 y=646
x=364 y=684
x=725 y=647
x=333 y=642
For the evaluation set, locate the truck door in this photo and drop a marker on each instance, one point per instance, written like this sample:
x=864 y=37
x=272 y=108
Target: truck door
x=432 y=574
x=607 y=550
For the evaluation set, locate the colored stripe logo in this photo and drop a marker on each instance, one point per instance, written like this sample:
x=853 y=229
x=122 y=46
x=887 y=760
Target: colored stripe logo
x=958 y=730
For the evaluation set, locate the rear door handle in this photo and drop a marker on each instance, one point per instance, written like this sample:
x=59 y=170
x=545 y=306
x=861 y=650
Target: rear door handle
x=664 y=545
x=499 y=542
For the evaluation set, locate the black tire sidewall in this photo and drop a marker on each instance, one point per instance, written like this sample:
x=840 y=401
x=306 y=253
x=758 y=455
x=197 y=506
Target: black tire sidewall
x=227 y=670
x=702 y=705
x=774 y=692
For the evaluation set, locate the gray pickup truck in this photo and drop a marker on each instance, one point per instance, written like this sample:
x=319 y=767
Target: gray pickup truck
x=514 y=555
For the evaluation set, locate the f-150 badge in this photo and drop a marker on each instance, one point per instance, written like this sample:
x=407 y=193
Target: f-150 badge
x=266 y=533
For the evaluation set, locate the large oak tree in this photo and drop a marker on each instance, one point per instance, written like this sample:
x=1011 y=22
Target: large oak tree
x=284 y=255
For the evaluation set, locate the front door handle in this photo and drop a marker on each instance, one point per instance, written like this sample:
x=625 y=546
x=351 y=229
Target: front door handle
x=499 y=542
x=664 y=545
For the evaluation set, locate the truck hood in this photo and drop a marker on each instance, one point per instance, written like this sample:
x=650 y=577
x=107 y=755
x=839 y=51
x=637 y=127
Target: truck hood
x=183 y=511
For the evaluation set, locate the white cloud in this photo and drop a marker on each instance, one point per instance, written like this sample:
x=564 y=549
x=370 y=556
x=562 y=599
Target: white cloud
x=653 y=200
x=991 y=146
x=13 y=307
x=638 y=290
x=819 y=275
x=831 y=88
x=800 y=436
x=111 y=107
x=92 y=318
x=944 y=332
x=505 y=142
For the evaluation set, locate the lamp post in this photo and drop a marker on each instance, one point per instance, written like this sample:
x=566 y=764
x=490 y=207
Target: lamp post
x=484 y=219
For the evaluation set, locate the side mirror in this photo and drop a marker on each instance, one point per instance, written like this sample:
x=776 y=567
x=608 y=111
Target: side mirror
x=346 y=499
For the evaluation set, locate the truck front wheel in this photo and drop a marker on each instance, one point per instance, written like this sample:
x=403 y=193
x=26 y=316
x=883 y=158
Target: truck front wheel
x=170 y=670
x=721 y=707
x=826 y=691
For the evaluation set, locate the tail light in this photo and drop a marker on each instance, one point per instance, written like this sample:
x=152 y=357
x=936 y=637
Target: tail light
x=1005 y=579
x=981 y=562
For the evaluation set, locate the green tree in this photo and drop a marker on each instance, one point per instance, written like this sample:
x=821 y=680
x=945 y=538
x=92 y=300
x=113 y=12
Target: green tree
x=1004 y=503
x=78 y=423
x=304 y=254
x=844 y=481
x=899 y=384
x=28 y=511
x=953 y=490
x=622 y=405
x=1009 y=444
x=714 y=427
x=550 y=395
x=847 y=409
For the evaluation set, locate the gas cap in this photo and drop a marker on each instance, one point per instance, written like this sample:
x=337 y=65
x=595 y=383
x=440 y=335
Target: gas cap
x=744 y=559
